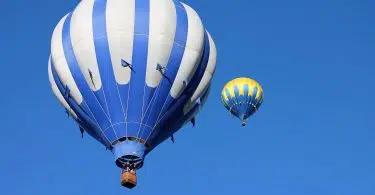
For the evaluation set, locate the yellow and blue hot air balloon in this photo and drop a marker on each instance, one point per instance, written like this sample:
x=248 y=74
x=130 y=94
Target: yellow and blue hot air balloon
x=131 y=73
x=242 y=97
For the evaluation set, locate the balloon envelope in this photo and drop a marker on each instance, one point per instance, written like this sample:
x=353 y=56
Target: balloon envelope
x=242 y=97
x=131 y=72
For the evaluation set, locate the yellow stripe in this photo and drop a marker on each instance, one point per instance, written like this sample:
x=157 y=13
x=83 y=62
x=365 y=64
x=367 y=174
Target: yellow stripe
x=224 y=95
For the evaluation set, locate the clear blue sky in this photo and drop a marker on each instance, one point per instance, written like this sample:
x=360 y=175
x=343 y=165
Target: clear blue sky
x=314 y=134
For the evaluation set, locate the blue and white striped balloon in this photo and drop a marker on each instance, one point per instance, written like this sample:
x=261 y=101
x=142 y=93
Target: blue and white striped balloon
x=131 y=72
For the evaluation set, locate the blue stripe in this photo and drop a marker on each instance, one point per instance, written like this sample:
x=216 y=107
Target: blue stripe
x=173 y=127
x=151 y=95
x=148 y=101
x=230 y=100
x=163 y=98
x=250 y=108
x=244 y=107
x=175 y=112
x=82 y=85
x=103 y=56
x=124 y=90
x=197 y=77
x=236 y=91
x=260 y=101
x=248 y=99
x=231 y=103
x=240 y=101
x=83 y=119
x=254 y=95
x=254 y=99
x=191 y=113
x=139 y=63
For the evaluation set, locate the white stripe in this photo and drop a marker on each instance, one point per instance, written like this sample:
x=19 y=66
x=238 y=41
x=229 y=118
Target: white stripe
x=83 y=42
x=120 y=31
x=161 y=36
x=211 y=66
x=56 y=91
x=59 y=60
x=193 y=52
x=207 y=76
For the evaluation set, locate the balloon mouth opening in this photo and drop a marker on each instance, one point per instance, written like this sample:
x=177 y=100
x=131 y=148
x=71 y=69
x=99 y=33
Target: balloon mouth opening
x=131 y=159
x=129 y=152
x=243 y=123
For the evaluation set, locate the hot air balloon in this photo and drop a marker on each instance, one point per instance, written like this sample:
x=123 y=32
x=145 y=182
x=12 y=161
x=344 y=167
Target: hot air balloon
x=131 y=73
x=242 y=97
